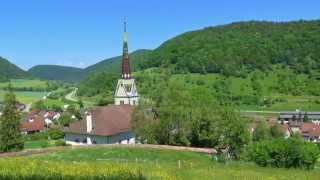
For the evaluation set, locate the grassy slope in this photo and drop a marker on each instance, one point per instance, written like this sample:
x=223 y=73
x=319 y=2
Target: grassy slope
x=241 y=86
x=155 y=163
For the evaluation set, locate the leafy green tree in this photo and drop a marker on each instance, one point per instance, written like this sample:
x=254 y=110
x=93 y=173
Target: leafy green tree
x=10 y=128
x=284 y=153
x=65 y=119
x=55 y=133
x=276 y=131
x=261 y=132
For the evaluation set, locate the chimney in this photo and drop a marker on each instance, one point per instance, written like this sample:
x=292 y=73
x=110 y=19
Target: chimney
x=89 y=122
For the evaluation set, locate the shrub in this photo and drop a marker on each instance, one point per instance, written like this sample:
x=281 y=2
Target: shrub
x=60 y=143
x=55 y=133
x=287 y=153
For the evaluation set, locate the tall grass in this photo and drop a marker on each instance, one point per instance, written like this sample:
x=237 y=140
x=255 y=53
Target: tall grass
x=20 y=168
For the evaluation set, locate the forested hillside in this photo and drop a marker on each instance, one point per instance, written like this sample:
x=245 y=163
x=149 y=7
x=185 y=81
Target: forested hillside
x=113 y=65
x=71 y=74
x=238 y=48
x=55 y=72
x=9 y=70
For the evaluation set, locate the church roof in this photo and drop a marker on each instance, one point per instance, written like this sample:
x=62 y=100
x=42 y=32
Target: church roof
x=106 y=121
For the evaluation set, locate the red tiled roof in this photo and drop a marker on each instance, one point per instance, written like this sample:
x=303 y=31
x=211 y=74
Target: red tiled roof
x=106 y=121
x=37 y=124
x=310 y=129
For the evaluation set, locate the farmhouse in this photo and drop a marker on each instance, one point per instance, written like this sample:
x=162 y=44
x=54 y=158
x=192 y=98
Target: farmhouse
x=109 y=124
x=33 y=122
x=103 y=125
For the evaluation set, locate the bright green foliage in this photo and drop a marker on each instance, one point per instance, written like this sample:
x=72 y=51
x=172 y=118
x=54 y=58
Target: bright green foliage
x=65 y=119
x=182 y=115
x=10 y=135
x=261 y=132
x=55 y=133
x=276 y=131
x=238 y=48
x=287 y=153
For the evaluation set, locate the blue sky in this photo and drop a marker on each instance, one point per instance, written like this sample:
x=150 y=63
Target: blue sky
x=83 y=32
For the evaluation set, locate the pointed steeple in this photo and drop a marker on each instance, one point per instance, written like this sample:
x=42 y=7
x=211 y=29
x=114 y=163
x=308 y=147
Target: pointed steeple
x=125 y=55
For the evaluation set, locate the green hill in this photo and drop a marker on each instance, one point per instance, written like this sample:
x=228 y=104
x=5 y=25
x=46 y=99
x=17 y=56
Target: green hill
x=64 y=73
x=238 y=48
x=112 y=65
x=9 y=70
x=55 y=72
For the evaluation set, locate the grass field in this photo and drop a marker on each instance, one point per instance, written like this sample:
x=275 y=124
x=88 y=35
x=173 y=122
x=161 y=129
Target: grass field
x=25 y=96
x=25 y=83
x=141 y=163
x=39 y=144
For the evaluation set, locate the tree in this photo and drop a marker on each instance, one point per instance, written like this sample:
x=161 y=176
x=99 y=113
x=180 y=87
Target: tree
x=10 y=128
x=80 y=103
x=276 y=131
x=261 y=132
x=55 y=133
x=65 y=119
x=40 y=105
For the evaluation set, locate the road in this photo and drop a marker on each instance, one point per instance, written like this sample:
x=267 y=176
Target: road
x=265 y=112
x=72 y=95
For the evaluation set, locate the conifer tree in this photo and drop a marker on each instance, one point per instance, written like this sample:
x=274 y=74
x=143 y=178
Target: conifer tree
x=10 y=135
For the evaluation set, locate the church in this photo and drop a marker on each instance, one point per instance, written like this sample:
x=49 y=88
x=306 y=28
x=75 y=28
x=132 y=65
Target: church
x=110 y=124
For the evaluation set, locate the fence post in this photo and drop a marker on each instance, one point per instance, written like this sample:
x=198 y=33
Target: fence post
x=179 y=164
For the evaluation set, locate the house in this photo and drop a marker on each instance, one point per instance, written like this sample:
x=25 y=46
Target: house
x=308 y=130
x=299 y=115
x=103 y=125
x=33 y=122
x=50 y=117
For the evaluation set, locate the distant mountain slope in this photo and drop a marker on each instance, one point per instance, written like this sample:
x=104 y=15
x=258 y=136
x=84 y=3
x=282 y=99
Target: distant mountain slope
x=9 y=70
x=239 y=48
x=113 y=65
x=56 y=72
x=71 y=74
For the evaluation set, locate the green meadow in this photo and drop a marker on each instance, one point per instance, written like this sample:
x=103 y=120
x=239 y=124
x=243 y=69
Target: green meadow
x=25 y=94
x=138 y=163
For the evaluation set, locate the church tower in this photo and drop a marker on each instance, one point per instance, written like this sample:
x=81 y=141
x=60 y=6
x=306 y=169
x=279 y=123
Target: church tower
x=126 y=91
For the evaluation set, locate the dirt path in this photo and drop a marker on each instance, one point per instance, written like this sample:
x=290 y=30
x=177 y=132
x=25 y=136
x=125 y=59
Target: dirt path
x=27 y=152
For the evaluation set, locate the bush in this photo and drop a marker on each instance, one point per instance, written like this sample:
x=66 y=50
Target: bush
x=55 y=133
x=44 y=144
x=60 y=143
x=284 y=153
